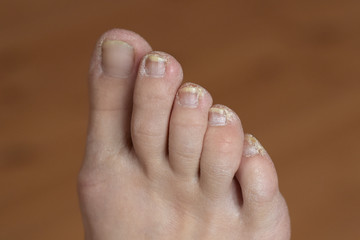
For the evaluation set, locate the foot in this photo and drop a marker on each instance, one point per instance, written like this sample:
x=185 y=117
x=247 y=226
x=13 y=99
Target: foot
x=162 y=162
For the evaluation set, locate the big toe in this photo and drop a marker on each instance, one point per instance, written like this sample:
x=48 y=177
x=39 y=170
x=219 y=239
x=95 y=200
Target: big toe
x=111 y=82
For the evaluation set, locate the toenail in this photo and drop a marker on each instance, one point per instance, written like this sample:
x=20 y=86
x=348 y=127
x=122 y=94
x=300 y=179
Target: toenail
x=189 y=94
x=117 y=58
x=155 y=65
x=253 y=147
x=220 y=116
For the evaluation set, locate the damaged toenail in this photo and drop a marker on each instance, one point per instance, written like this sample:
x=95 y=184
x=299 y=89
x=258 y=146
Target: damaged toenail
x=189 y=94
x=253 y=147
x=220 y=115
x=155 y=65
x=117 y=58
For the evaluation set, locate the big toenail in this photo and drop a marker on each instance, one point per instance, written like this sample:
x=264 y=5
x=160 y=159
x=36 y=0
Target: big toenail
x=220 y=116
x=252 y=147
x=155 y=65
x=117 y=58
x=189 y=94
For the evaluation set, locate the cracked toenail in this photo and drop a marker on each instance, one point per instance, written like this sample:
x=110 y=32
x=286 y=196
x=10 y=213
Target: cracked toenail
x=220 y=115
x=252 y=147
x=117 y=58
x=189 y=94
x=155 y=65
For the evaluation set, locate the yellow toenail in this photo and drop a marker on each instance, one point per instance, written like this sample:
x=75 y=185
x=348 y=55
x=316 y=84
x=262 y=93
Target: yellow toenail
x=189 y=94
x=253 y=147
x=108 y=42
x=220 y=115
x=117 y=58
x=156 y=58
x=154 y=65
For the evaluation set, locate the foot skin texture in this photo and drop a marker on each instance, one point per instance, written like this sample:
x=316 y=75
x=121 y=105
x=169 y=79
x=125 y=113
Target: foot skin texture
x=162 y=162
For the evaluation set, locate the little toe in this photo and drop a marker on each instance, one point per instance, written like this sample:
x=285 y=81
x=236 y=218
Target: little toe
x=257 y=174
x=222 y=149
x=158 y=79
x=111 y=82
x=262 y=200
x=189 y=120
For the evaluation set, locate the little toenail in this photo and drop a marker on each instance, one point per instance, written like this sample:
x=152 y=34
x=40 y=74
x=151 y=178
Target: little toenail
x=155 y=65
x=220 y=116
x=189 y=94
x=117 y=58
x=253 y=147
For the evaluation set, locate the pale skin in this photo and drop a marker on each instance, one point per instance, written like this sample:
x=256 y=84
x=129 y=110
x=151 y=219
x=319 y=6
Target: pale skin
x=163 y=162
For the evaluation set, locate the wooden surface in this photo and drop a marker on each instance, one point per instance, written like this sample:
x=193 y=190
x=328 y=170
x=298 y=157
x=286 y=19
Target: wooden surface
x=289 y=68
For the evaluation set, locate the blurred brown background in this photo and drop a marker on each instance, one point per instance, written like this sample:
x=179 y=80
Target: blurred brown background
x=290 y=69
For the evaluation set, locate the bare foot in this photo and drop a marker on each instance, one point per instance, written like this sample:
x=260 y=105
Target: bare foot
x=162 y=162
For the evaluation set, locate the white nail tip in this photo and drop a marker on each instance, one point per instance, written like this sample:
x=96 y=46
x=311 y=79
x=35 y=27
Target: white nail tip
x=253 y=147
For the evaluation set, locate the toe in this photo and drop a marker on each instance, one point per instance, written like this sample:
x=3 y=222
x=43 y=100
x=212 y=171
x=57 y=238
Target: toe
x=257 y=177
x=111 y=82
x=188 y=125
x=222 y=149
x=263 y=204
x=158 y=80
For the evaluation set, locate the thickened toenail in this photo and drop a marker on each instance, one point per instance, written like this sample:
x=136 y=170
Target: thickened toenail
x=155 y=65
x=189 y=94
x=252 y=147
x=117 y=58
x=220 y=115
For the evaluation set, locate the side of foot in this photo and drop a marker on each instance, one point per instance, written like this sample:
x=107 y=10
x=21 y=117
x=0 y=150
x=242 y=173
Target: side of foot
x=163 y=162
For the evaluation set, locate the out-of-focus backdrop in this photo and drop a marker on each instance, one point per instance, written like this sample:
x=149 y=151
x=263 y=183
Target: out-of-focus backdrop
x=290 y=69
